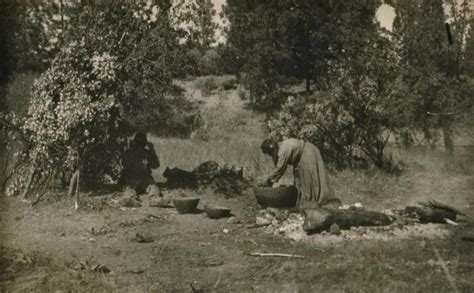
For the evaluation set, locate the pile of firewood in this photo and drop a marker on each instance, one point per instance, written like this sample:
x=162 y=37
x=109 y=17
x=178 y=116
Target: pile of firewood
x=225 y=179
x=318 y=220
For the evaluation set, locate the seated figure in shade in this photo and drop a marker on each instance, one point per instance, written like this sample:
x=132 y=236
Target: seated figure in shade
x=138 y=161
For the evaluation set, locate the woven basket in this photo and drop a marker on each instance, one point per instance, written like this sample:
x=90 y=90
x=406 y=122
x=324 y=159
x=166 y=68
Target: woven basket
x=216 y=212
x=186 y=205
x=279 y=197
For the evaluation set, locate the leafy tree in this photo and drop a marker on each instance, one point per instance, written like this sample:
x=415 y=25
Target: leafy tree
x=352 y=110
x=35 y=32
x=113 y=75
x=277 y=44
x=337 y=46
x=196 y=17
x=195 y=20
x=432 y=72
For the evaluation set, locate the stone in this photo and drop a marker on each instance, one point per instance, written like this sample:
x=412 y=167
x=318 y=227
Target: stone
x=129 y=202
x=152 y=189
x=316 y=220
x=272 y=211
x=160 y=202
x=282 y=215
x=232 y=220
x=261 y=221
x=129 y=192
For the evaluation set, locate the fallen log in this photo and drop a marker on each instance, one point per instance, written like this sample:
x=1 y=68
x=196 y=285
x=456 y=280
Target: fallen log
x=429 y=215
x=433 y=204
x=321 y=219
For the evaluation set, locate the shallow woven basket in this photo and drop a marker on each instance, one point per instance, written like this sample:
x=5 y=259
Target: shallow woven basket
x=216 y=212
x=279 y=197
x=186 y=205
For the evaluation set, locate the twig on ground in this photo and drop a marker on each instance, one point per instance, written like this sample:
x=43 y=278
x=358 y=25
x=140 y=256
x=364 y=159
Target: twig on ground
x=218 y=280
x=296 y=245
x=451 y=222
x=107 y=203
x=252 y=241
x=153 y=216
x=276 y=254
x=443 y=265
x=38 y=198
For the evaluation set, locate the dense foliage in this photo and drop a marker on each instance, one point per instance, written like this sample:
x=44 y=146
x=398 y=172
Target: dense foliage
x=350 y=112
x=113 y=75
x=363 y=83
x=432 y=75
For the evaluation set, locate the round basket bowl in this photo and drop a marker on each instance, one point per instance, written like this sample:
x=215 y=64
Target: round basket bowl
x=279 y=197
x=216 y=212
x=186 y=205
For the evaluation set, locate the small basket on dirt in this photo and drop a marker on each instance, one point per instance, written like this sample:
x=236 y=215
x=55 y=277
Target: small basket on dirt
x=186 y=205
x=216 y=212
x=279 y=197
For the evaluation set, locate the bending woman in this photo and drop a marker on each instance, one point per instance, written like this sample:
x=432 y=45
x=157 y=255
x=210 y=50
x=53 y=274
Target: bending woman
x=311 y=178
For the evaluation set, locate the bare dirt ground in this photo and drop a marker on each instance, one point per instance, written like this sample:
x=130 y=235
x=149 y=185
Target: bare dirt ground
x=52 y=248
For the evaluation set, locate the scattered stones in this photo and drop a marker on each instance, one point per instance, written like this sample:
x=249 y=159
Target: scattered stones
x=271 y=212
x=129 y=192
x=233 y=220
x=99 y=231
x=90 y=266
x=262 y=221
x=213 y=262
x=129 y=202
x=353 y=206
x=160 y=202
x=282 y=215
x=142 y=238
x=101 y=269
x=152 y=189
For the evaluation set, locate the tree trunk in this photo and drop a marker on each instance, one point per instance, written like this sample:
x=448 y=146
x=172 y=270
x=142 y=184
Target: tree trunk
x=76 y=200
x=4 y=159
x=31 y=176
x=73 y=189
x=448 y=139
x=72 y=183
x=318 y=220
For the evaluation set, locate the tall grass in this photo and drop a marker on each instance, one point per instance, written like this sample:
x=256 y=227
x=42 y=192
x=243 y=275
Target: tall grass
x=232 y=135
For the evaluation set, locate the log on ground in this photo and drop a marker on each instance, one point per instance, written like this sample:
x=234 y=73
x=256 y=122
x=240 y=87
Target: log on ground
x=318 y=220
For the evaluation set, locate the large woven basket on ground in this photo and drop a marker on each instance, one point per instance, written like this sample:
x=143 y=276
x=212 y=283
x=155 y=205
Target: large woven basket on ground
x=186 y=205
x=279 y=197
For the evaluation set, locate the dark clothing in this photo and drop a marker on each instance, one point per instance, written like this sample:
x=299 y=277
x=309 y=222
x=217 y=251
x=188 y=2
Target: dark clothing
x=138 y=163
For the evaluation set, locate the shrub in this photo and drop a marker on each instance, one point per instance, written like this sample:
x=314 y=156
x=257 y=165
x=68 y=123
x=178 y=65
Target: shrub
x=230 y=84
x=350 y=114
x=18 y=93
x=209 y=62
x=206 y=85
x=243 y=94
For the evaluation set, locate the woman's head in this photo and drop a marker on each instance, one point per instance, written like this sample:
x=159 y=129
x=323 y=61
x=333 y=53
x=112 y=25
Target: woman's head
x=269 y=147
x=140 y=139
